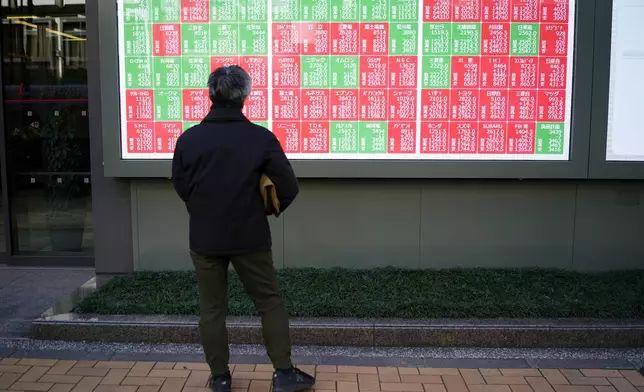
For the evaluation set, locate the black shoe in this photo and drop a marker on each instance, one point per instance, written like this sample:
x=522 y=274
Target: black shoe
x=292 y=380
x=220 y=383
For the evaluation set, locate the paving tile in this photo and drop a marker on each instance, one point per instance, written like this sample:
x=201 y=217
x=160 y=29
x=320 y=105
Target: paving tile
x=325 y=385
x=412 y=378
x=357 y=369
x=521 y=388
x=345 y=386
x=268 y=368
x=62 y=367
x=31 y=386
x=326 y=369
x=245 y=368
x=600 y=373
x=192 y=366
x=9 y=361
x=260 y=386
x=622 y=385
x=115 y=376
x=434 y=388
x=490 y=372
x=62 y=387
x=402 y=387
x=472 y=376
x=14 y=369
x=580 y=363
x=454 y=384
x=555 y=377
x=254 y=375
x=174 y=384
x=150 y=388
x=337 y=377
x=115 y=364
x=187 y=389
x=198 y=378
x=388 y=374
x=439 y=372
x=503 y=380
x=170 y=373
x=59 y=379
x=520 y=372
x=574 y=388
x=88 y=371
x=408 y=370
x=368 y=382
x=634 y=377
x=164 y=365
x=37 y=362
x=540 y=384
x=115 y=388
x=489 y=388
x=605 y=389
x=143 y=381
x=34 y=374
x=7 y=379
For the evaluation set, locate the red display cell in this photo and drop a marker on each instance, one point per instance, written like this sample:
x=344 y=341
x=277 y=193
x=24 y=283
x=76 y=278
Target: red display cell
x=315 y=137
x=492 y=137
x=525 y=10
x=553 y=40
x=496 y=10
x=402 y=105
x=256 y=106
x=374 y=38
x=521 y=137
x=373 y=105
x=257 y=68
x=433 y=137
x=401 y=137
x=315 y=38
x=195 y=11
x=523 y=105
x=140 y=137
x=344 y=105
x=523 y=72
x=552 y=72
x=552 y=106
x=495 y=72
x=288 y=134
x=196 y=104
x=464 y=104
x=463 y=137
x=166 y=134
x=466 y=10
x=345 y=38
x=315 y=104
x=496 y=39
x=139 y=105
x=494 y=105
x=555 y=11
x=223 y=61
x=286 y=71
x=437 y=10
x=403 y=71
x=166 y=39
x=286 y=104
x=373 y=71
x=466 y=71
x=434 y=105
x=286 y=38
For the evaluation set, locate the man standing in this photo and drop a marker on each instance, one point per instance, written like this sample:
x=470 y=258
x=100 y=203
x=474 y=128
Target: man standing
x=216 y=171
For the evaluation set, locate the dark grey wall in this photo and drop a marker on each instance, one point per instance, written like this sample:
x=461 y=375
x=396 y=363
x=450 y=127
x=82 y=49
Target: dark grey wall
x=583 y=225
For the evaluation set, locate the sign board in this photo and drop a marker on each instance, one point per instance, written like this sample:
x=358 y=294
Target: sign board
x=356 y=79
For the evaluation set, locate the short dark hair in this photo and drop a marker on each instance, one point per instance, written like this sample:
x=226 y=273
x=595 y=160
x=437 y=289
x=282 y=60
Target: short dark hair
x=229 y=87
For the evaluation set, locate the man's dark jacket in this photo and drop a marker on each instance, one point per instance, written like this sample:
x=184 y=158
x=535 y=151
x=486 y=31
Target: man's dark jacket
x=216 y=170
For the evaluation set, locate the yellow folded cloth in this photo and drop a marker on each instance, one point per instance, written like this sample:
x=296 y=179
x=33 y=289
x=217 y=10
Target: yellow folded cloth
x=269 y=194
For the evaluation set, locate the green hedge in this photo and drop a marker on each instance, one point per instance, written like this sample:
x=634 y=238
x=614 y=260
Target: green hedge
x=394 y=293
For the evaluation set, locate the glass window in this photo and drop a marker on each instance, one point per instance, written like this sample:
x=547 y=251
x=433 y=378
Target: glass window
x=46 y=125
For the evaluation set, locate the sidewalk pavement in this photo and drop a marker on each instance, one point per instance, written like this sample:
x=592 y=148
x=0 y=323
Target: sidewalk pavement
x=41 y=375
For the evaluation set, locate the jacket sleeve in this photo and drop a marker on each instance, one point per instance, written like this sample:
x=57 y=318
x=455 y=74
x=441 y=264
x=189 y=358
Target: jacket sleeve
x=279 y=170
x=179 y=178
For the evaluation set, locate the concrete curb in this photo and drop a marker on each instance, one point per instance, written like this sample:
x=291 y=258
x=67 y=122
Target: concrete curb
x=360 y=333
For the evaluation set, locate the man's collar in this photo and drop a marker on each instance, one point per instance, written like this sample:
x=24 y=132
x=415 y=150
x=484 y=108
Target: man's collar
x=224 y=115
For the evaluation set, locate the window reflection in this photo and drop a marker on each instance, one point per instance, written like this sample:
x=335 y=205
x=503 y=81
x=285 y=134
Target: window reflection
x=46 y=125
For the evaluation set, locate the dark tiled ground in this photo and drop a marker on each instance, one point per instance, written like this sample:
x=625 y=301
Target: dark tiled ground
x=26 y=292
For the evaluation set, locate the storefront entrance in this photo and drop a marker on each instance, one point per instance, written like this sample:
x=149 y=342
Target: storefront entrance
x=46 y=210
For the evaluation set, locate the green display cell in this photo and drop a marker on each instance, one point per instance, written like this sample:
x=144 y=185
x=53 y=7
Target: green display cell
x=188 y=124
x=437 y=38
x=403 y=10
x=166 y=11
x=167 y=105
x=316 y=10
x=138 y=40
x=224 y=38
x=253 y=10
x=374 y=10
x=345 y=71
x=524 y=39
x=224 y=11
x=286 y=10
x=373 y=137
x=466 y=39
x=195 y=38
x=261 y=123
x=550 y=138
x=138 y=72
x=344 y=137
x=196 y=71
x=436 y=72
x=403 y=38
x=253 y=39
x=344 y=10
x=167 y=72
x=136 y=11
x=315 y=72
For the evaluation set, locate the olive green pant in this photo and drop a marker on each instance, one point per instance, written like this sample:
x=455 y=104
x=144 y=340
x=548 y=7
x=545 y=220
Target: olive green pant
x=257 y=274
